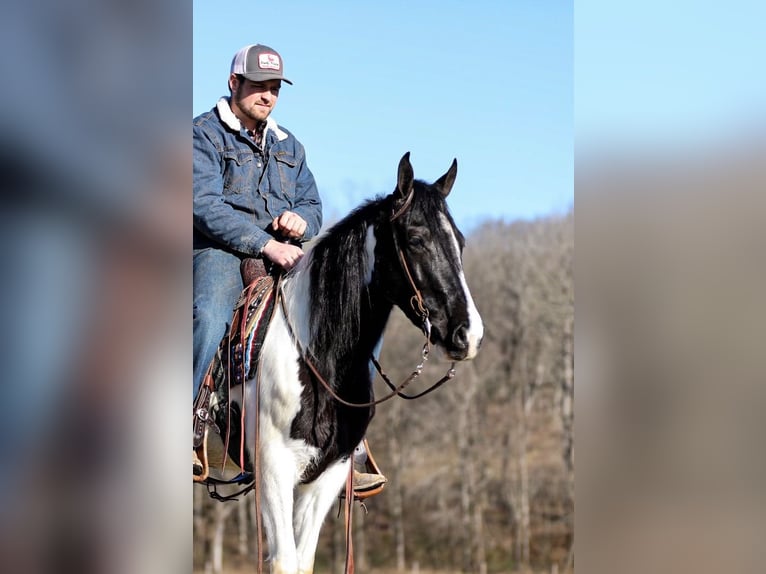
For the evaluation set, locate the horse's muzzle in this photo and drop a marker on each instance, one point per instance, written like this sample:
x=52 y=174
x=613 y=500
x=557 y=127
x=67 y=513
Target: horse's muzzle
x=464 y=343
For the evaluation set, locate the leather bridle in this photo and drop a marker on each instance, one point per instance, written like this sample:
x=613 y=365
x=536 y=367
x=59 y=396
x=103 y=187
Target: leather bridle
x=416 y=302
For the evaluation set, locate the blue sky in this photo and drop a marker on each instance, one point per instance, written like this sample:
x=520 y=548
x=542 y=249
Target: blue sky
x=668 y=75
x=489 y=83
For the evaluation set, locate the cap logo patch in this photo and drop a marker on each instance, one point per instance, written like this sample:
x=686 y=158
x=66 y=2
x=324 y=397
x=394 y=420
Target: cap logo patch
x=268 y=62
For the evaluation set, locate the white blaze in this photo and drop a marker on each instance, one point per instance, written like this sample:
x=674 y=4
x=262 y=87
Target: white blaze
x=475 y=324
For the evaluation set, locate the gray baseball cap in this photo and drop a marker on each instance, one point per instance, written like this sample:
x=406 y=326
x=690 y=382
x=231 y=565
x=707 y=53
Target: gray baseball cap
x=258 y=63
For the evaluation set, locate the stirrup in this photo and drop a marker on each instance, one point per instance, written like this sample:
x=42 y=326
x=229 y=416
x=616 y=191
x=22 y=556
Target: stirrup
x=370 y=467
x=200 y=467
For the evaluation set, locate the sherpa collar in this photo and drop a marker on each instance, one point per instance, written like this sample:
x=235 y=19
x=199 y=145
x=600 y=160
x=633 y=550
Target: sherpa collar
x=228 y=118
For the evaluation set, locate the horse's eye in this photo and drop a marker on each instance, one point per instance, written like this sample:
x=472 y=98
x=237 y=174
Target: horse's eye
x=416 y=241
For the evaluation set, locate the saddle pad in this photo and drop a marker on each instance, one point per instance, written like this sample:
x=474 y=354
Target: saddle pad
x=237 y=359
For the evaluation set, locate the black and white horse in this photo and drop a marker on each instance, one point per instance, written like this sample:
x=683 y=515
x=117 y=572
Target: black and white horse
x=336 y=303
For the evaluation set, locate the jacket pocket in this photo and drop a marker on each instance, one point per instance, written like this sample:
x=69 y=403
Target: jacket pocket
x=237 y=171
x=287 y=166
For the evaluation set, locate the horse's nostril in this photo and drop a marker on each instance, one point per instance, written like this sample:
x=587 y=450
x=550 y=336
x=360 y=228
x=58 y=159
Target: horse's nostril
x=460 y=337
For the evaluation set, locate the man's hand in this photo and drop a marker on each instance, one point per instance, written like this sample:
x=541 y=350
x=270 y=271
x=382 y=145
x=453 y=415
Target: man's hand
x=283 y=254
x=290 y=225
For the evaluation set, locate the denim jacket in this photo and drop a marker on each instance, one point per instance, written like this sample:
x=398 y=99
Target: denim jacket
x=240 y=188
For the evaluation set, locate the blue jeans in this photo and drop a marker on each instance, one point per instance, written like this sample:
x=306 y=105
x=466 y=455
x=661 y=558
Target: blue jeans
x=217 y=286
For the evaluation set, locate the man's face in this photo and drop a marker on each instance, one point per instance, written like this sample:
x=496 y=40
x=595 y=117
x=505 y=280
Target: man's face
x=252 y=101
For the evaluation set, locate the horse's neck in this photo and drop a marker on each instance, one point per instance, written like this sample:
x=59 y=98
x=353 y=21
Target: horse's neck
x=295 y=290
x=374 y=312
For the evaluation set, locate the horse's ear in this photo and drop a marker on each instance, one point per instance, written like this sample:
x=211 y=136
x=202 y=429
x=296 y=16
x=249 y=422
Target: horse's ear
x=445 y=182
x=406 y=176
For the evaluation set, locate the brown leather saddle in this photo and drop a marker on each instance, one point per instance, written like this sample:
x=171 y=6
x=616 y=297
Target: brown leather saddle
x=235 y=362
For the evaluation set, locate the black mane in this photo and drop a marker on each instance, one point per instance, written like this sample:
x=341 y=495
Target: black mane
x=338 y=264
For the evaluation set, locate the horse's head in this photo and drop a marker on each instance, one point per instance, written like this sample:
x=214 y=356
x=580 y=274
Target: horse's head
x=428 y=265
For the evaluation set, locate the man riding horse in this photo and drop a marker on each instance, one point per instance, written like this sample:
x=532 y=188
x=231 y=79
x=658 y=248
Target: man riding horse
x=254 y=197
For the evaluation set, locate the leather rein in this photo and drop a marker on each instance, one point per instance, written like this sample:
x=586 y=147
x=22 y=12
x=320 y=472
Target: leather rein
x=416 y=302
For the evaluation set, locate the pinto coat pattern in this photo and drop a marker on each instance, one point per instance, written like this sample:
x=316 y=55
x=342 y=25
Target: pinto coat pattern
x=337 y=302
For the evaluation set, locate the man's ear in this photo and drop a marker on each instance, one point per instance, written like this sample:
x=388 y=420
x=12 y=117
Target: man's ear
x=233 y=83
